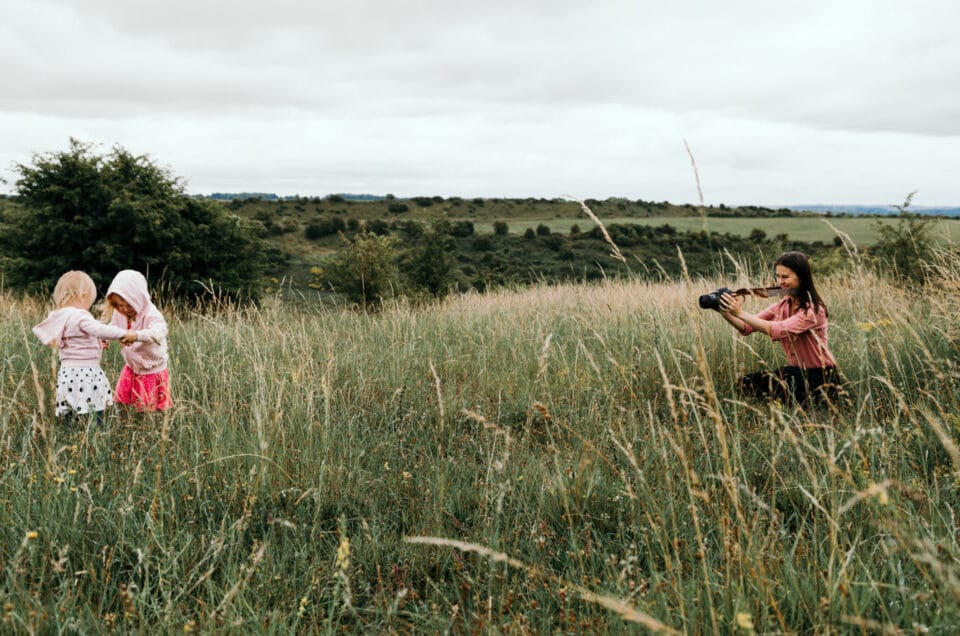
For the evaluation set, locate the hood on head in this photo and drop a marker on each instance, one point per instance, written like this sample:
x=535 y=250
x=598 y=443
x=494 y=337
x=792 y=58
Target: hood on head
x=132 y=287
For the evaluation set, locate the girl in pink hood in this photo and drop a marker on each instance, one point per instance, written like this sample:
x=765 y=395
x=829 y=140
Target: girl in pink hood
x=82 y=387
x=144 y=381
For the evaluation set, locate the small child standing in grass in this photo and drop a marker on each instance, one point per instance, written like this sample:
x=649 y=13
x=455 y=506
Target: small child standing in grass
x=82 y=386
x=144 y=381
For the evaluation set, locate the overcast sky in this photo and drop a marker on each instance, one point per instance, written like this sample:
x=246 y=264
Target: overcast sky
x=843 y=102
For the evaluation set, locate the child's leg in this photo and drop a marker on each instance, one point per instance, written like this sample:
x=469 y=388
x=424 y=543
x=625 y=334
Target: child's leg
x=124 y=393
x=152 y=392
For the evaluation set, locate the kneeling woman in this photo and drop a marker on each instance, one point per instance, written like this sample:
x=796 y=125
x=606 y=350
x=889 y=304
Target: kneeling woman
x=799 y=323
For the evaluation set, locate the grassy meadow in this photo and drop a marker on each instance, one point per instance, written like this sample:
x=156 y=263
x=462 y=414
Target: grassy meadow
x=558 y=459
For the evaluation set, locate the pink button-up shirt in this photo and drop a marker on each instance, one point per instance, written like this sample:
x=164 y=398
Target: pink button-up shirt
x=802 y=334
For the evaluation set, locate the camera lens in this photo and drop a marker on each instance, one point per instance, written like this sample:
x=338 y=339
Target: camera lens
x=709 y=301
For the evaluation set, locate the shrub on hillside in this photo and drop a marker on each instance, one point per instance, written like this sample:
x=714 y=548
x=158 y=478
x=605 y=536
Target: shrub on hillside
x=462 y=229
x=365 y=272
x=553 y=242
x=904 y=250
x=482 y=243
x=376 y=226
x=423 y=202
x=324 y=227
x=409 y=229
x=431 y=266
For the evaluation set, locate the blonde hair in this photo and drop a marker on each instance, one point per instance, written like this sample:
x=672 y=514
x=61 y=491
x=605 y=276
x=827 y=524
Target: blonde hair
x=107 y=314
x=74 y=285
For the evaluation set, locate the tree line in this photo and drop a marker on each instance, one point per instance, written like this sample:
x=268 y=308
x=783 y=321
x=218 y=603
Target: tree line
x=80 y=209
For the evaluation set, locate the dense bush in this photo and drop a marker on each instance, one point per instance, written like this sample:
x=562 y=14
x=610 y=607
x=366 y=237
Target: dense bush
x=432 y=266
x=104 y=213
x=500 y=228
x=482 y=243
x=423 y=202
x=462 y=229
x=324 y=227
x=904 y=250
x=376 y=226
x=365 y=272
x=553 y=242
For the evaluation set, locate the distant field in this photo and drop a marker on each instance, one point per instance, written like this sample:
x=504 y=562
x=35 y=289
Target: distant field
x=861 y=230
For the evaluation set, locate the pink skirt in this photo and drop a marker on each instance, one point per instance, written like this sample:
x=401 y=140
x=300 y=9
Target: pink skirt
x=145 y=392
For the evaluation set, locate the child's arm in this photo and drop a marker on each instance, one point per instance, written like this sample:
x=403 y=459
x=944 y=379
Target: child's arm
x=156 y=330
x=94 y=327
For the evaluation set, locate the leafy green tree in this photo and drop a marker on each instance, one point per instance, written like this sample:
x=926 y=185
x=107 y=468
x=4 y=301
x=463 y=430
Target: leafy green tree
x=904 y=249
x=432 y=265
x=101 y=214
x=365 y=272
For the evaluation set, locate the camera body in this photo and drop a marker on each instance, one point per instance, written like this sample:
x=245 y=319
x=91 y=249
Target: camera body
x=712 y=300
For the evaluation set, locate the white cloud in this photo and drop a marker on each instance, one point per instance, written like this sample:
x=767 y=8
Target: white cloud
x=787 y=102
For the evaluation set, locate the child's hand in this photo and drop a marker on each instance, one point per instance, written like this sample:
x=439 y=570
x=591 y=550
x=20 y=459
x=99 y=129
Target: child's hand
x=103 y=344
x=129 y=338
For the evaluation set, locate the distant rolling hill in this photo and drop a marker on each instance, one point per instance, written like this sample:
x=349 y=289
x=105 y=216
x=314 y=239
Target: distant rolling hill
x=883 y=210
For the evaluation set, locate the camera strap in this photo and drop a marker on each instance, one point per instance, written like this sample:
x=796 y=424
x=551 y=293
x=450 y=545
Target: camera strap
x=762 y=292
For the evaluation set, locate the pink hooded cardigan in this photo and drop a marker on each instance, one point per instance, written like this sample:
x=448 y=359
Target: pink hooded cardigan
x=76 y=335
x=149 y=354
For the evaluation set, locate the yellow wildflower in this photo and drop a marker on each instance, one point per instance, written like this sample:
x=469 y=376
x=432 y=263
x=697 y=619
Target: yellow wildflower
x=343 y=554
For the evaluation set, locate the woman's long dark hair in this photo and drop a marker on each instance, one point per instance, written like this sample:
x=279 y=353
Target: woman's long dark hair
x=799 y=264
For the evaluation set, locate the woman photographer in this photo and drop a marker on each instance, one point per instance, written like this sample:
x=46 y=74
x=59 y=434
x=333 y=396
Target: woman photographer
x=799 y=323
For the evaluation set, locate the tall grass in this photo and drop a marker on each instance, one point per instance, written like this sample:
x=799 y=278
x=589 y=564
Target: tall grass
x=567 y=458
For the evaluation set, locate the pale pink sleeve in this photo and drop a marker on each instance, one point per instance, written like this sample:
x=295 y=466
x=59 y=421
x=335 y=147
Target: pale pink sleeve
x=92 y=326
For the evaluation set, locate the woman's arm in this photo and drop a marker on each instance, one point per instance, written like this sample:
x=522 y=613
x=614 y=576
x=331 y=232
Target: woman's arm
x=737 y=324
x=732 y=311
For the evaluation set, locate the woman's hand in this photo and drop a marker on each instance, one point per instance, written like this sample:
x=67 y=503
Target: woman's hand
x=730 y=304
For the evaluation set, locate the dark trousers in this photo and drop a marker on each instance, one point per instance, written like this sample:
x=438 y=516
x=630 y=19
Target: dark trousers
x=786 y=384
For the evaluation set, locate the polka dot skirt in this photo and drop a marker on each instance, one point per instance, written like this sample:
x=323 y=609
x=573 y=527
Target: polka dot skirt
x=82 y=390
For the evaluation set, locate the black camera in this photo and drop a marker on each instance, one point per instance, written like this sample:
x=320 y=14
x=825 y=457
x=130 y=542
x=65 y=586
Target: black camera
x=712 y=300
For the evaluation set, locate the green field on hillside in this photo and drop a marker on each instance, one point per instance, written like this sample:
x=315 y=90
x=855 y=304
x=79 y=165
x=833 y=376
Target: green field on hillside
x=862 y=230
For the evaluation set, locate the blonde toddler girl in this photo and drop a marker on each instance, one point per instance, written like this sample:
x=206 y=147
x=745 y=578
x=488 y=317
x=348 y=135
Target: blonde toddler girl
x=82 y=386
